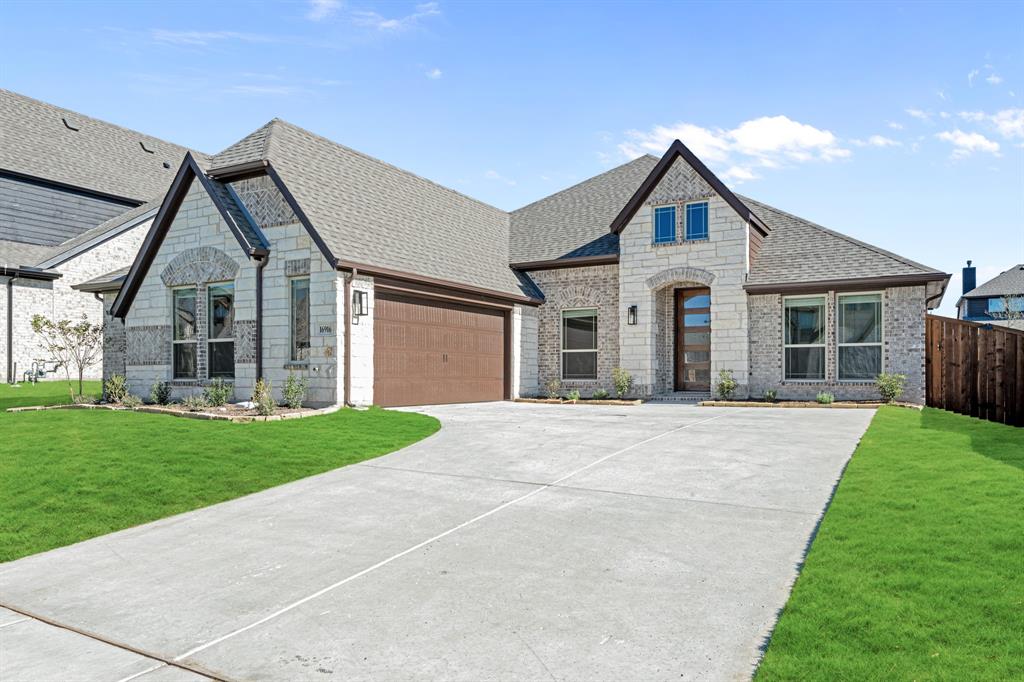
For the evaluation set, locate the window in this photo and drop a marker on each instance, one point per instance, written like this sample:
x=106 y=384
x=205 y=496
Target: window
x=664 y=224
x=697 y=220
x=804 y=338
x=859 y=336
x=184 y=340
x=579 y=344
x=998 y=305
x=300 y=320
x=221 y=340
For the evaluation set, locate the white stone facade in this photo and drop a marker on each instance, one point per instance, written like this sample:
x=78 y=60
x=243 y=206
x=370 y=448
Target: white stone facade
x=58 y=301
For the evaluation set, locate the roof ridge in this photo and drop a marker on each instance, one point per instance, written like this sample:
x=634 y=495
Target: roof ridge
x=852 y=240
x=582 y=182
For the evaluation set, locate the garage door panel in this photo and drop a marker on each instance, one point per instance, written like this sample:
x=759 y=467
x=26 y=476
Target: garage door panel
x=431 y=351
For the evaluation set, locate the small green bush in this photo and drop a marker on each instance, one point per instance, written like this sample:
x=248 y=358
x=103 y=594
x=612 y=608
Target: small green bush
x=553 y=387
x=770 y=394
x=294 y=392
x=131 y=401
x=115 y=388
x=160 y=393
x=195 y=402
x=218 y=392
x=825 y=398
x=623 y=382
x=890 y=386
x=573 y=395
x=262 y=396
x=726 y=385
x=600 y=394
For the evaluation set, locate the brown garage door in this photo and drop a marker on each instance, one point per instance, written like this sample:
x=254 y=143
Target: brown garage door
x=429 y=351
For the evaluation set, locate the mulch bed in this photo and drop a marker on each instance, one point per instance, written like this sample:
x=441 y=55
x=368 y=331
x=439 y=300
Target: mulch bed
x=230 y=413
x=839 y=405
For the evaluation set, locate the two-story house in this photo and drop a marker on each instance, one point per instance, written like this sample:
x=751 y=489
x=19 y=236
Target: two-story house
x=998 y=301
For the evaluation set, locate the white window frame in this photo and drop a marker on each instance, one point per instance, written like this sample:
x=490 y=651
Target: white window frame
x=823 y=345
x=654 y=225
x=291 y=318
x=706 y=237
x=561 y=343
x=881 y=327
x=174 y=325
x=209 y=327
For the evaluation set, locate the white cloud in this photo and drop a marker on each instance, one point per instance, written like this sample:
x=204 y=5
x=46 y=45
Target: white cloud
x=203 y=38
x=434 y=74
x=881 y=141
x=944 y=114
x=266 y=90
x=381 y=23
x=766 y=142
x=495 y=175
x=994 y=79
x=971 y=76
x=322 y=9
x=941 y=94
x=919 y=114
x=894 y=125
x=965 y=144
x=1009 y=122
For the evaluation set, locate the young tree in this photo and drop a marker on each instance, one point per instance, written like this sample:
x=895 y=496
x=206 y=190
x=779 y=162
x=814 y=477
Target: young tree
x=71 y=345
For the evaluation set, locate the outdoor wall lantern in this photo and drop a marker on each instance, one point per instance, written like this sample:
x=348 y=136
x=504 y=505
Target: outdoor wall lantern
x=631 y=315
x=358 y=305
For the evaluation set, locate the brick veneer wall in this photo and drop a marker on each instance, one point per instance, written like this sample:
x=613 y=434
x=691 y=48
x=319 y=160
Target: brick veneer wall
x=590 y=287
x=903 y=347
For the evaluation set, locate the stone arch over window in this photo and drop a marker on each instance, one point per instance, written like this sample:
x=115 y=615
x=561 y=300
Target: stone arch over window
x=680 y=274
x=576 y=296
x=201 y=264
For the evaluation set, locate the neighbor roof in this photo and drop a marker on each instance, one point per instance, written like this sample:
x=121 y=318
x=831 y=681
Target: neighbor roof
x=1008 y=283
x=366 y=211
x=63 y=146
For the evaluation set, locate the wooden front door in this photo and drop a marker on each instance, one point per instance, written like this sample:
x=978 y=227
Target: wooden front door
x=693 y=339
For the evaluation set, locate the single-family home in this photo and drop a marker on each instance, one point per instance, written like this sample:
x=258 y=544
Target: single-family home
x=998 y=301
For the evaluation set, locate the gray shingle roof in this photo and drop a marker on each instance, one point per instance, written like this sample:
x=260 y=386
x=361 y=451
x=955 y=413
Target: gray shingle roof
x=574 y=222
x=98 y=156
x=797 y=250
x=1008 y=283
x=105 y=228
x=373 y=213
x=19 y=254
x=110 y=281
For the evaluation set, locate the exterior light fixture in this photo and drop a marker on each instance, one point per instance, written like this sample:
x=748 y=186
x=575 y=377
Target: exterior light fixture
x=359 y=307
x=631 y=315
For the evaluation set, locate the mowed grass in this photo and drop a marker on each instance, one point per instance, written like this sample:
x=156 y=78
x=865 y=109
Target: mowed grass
x=44 y=393
x=69 y=475
x=917 y=572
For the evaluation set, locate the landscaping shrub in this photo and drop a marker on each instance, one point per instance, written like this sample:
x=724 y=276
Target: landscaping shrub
x=623 y=382
x=726 y=385
x=825 y=398
x=553 y=387
x=115 y=388
x=195 y=402
x=599 y=394
x=573 y=395
x=218 y=392
x=890 y=386
x=294 y=392
x=262 y=396
x=131 y=401
x=769 y=395
x=160 y=393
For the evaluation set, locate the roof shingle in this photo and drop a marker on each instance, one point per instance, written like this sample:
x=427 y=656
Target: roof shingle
x=1008 y=283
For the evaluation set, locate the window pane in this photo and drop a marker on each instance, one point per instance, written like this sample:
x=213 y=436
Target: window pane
x=860 y=319
x=222 y=310
x=698 y=301
x=184 y=361
x=697 y=320
x=805 y=363
x=860 y=362
x=697 y=338
x=184 y=314
x=805 y=321
x=222 y=359
x=996 y=305
x=579 y=332
x=665 y=224
x=696 y=356
x=579 y=365
x=697 y=221
x=300 y=319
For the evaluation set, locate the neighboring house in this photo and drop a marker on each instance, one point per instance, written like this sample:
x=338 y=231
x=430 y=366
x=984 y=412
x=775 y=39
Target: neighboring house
x=289 y=253
x=998 y=301
x=73 y=193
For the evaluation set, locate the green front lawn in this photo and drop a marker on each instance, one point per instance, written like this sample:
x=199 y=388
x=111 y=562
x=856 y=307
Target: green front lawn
x=44 y=393
x=917 y=572
x=69 y=475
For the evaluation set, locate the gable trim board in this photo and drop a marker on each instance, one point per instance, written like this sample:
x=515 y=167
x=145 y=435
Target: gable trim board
x=481 y=294
x=554 y=264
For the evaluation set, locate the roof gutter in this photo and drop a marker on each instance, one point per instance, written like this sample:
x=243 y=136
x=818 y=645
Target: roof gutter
x=856 y=283
x=238 y=170
x=10 y=331
x=576 y=262
x=28 y=273
x=348 y=266
x=260 y=264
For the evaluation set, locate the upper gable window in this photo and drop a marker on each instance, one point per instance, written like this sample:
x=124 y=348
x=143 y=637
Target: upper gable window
x=664 y=224
x=697 y=220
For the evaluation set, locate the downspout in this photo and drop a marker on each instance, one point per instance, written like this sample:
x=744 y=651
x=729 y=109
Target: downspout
x=347 y=306
x=11 y=379
x=260 y=264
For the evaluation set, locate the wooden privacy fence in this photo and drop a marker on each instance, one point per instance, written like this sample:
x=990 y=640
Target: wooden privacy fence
x=975 y=369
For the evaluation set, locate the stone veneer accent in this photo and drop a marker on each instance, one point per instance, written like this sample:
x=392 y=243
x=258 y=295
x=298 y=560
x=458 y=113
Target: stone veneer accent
x=566 y=288
x=201 y=264
x=148 y=344
x=264 y=201
x=903 y=347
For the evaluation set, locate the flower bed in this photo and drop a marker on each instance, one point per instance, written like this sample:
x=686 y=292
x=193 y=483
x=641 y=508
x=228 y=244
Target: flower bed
x=231 y=412
x=844 y=405
x=581 y=401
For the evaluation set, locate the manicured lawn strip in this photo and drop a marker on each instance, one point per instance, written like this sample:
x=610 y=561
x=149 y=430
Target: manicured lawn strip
x=917 y=572
x=69 y=475
x=43 y=393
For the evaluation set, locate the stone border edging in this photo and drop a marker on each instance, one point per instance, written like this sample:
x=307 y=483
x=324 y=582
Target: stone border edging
x=805 y=404
x=582 y=401
x=209 y=416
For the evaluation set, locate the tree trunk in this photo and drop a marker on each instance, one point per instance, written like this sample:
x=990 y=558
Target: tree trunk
x=81 y=372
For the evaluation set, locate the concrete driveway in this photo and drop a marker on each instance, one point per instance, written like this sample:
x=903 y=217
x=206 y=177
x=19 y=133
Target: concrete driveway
x=522 y=541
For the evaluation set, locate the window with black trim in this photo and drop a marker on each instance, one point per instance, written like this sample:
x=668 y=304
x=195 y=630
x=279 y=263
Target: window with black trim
x=859 y=336
x=804 y=338
x=664 y=224
x=579 y=344
x=300 y=319
x=220 y=340
x=697 y=221
x=184 y=338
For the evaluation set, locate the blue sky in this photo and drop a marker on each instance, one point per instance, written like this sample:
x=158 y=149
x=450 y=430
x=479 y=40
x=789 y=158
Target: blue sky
x=899 y=124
